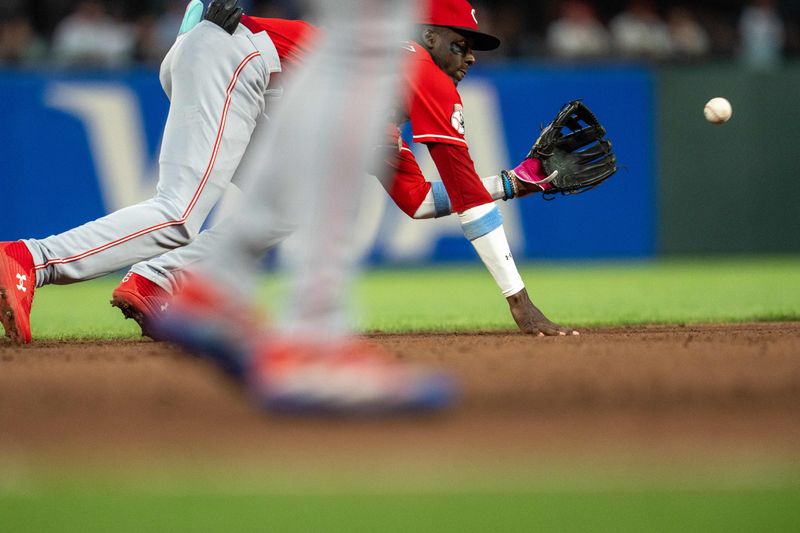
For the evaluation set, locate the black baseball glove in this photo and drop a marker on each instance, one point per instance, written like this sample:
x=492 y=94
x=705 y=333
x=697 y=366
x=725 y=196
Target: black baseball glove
x=573 y=150
x=225 y=13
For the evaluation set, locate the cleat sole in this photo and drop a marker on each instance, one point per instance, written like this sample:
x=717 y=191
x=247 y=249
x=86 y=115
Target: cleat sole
x=7 y=318
x=130 y=312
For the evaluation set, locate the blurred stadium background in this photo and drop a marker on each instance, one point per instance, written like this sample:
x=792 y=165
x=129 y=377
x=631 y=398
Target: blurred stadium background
x=82 y=135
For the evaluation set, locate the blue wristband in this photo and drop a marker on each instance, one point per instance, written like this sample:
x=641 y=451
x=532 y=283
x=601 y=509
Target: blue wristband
x=441 y=201
x=508 y=190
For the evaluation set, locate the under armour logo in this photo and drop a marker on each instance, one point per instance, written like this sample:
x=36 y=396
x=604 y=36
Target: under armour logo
x=164 y=307
x=22 y=279
x=474 y=16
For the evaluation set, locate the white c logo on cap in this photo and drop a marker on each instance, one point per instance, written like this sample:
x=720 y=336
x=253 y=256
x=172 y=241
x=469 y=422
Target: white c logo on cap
x=474 y=17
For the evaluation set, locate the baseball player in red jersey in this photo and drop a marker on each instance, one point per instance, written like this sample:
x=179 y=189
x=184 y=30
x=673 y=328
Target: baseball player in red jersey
x=438 y=60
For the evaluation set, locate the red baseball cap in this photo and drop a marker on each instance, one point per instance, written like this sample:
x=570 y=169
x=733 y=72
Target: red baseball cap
x=460 y=16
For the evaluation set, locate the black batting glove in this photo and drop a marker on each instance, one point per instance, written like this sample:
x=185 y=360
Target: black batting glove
x=225 y=13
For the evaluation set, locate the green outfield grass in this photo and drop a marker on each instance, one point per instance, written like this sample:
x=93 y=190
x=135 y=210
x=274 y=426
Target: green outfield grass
x=773 y=510
x=552 y=497
x=465 y=299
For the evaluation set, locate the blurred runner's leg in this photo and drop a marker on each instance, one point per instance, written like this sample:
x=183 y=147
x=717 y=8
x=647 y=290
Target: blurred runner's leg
x=318 y=149
x=308 y=180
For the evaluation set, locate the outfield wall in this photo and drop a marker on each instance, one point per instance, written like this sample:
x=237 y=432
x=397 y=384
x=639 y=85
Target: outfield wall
x=733 y=188
x=75 y=146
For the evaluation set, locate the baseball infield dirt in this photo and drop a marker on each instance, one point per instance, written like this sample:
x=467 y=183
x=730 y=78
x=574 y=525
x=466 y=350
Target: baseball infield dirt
x=653 y=392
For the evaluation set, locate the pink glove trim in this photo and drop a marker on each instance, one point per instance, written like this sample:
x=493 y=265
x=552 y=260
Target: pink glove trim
x=531 y=171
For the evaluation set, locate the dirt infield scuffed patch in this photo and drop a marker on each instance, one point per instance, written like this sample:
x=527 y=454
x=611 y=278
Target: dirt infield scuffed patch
x=654 y=391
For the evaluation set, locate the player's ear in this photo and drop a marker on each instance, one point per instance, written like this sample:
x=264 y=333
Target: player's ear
x=429 y=37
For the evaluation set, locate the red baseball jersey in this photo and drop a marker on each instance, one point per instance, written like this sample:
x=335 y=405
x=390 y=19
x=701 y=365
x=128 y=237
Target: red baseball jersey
x=436 y=111
x=433 y=103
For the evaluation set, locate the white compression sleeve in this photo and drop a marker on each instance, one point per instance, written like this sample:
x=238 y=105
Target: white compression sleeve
x=483 y=226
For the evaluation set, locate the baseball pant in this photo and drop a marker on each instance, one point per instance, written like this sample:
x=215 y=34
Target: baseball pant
x=218 y=86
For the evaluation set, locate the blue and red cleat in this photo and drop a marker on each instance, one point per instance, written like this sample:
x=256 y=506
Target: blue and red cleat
x=292 y=374
x=349 y=377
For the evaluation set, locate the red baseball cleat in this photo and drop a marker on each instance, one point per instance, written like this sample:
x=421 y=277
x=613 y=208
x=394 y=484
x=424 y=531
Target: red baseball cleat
x=142 y=300
x=349 y=377
x=17 y=285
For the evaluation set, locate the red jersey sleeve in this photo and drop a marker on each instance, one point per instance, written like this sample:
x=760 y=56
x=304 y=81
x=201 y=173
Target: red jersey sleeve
x=458 y=174
x=404 y=181
x=434 y=105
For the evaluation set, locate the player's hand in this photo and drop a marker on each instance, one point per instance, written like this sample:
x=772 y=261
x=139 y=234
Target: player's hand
x=532 y=321
x=524 y=187
x=225 y=13
x=528 y=177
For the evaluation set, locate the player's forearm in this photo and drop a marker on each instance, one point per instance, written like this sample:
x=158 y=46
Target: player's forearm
x=402 y=178
x=483 y=226
x=458 y=172
x=436 y=203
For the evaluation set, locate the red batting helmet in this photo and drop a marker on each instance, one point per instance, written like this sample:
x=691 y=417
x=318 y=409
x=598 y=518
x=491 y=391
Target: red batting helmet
x=460 y=16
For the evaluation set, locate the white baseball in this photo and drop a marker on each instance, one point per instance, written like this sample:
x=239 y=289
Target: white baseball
x=718 y=110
